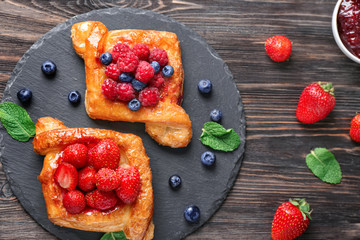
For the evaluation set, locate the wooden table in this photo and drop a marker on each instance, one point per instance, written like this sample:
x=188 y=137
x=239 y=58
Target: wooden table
x=274 y=167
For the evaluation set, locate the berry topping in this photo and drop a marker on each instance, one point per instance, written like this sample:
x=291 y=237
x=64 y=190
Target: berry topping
x=126 y=77
x=216 y=115
x=101 y=200
x=75 y=154
x=109 y=89
x=138 y=85
x=130 y=184
x=128 y=62
x=105 y=154
x=74 y=97
x=24 y=95
x=48 y=68
x=159 y=55
x=66 y=176
x=149 y=96
x=112 y=71
x=134 y=105
x=106 y=58
x=74 y=201
x=192 y=214
x=208 y=158
x=205 y=86
x=168 y=71
x=278 y=48
x=157 y=81
x=156 y=66
x=125 y=91
x=175 y=182
x=118 y=50
x=142 y=51
x=107 y=180
x=144 y=72
x=87 y=179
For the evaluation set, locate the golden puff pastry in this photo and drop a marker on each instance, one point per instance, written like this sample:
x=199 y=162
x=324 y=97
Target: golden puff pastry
x=167 y=122
x=52 y=136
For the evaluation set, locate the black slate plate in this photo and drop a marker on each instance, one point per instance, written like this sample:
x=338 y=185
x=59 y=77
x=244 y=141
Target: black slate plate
x=206 y=188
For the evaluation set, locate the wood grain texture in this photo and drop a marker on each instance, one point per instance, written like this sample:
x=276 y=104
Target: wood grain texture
x=274 y=167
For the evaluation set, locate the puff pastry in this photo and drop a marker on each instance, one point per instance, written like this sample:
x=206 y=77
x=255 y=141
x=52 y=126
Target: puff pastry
x=52 y=136
x=167 y=122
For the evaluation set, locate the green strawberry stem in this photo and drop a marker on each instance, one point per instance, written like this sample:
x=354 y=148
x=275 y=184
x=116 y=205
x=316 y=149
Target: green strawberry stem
x=328 y=87
x=303 y=206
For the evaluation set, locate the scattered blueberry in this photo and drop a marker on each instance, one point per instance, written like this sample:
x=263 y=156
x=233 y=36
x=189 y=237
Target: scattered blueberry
x=175 y=182
x=138 y=85
x=134 y=104
x=192 y=214
x=125 y=77
x=106 y=58
x=48 y=67
x=216 y=115
x=156 y=66
x=74 y=97
x=24 y=95
x=208 y=158
x=168 y=71
x=205 y=86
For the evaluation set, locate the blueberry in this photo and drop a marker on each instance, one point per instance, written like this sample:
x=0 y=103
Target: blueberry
x=192 y=214
x=216 y=115
x=138 y=85
x=205 y=86
x=24 y=95
x=74 y=97
x=156 y=66
x=106 y=58
x=134 y=104
x=175 y=182
x=208 y=158
x=48 y=67
x=125 y=77
x=168 y=71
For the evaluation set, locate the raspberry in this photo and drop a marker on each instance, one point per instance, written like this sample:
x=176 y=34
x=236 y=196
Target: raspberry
x=109 y=89
x=74 y=201
x=76 y=154
x=101 y=200
x=87 y=179
x=149 y=96
x=142 y=51
x=118 y=50
x=125 y=91
x=112 y=71
x=104 y=154
x=144 y=72
x=157 y=81
x=128 y=62
x=159 y=55
x=107 y=180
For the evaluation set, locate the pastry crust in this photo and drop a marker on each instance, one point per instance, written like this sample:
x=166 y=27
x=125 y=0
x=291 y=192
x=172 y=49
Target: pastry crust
x=52 y=136
x=167 y=122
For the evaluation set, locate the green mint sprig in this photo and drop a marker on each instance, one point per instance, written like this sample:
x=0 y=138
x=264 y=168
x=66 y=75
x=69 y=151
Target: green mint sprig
x=214 y=135
x=114 y=236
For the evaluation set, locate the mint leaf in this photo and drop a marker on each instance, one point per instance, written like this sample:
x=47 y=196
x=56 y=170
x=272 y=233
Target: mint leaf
x=114 y=236
x=217 y=137
x=16 y=121
x=324 y=165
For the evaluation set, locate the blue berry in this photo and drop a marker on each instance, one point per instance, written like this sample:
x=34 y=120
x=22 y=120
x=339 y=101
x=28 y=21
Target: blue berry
x=125 y=77
x=74 y=97
x=192 y=214
x=134 y=104
x=216 y=115
x=48 y=68
x=106 y=58
x=168 y=71
x=175 y=182
x=156 y=66
x=205 y=86
x=24 y=95
x=208 y=158
x=138 y=85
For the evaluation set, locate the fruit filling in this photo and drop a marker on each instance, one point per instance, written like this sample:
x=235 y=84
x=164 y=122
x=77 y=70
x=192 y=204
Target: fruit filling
x=91 y=178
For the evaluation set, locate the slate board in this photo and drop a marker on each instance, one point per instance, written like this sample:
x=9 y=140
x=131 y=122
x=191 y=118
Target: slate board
x=204 y=187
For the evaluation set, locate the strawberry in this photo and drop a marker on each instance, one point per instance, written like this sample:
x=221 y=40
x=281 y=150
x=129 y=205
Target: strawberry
x=105 y=154
x=130 y=184
x=76 y=154
x=66 y=176
x=316 y=102
x=101 y=200
x=107 y=180
x=278 y=48
x=87 y=179
x=74 y=201
x=355 y=128
x=291 y=219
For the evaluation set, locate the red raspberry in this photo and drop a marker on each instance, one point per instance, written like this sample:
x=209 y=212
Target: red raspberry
x=104 y=154
x=66 y=176
x=128 y=62
x=145 y=72
x=157 y=81
x=112 y=71
x=109 y=89
x=75 y=154
x=107 y=180
x=149 y=96
x=130 y=184
x=118 y=50
x=125 y=91
x=101 y=200
x=159 y=55
x=87 y=179
x=74 y=201
x=142 y=51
